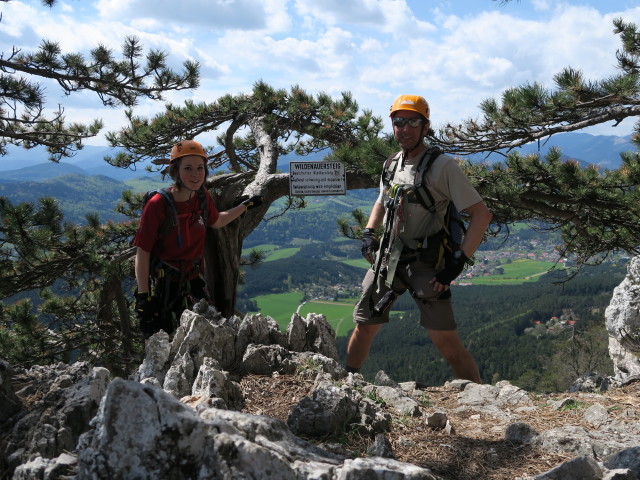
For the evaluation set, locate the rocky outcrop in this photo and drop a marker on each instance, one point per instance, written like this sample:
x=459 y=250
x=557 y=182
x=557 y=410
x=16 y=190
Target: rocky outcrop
x=62 y=401
x=181 y=415
x=623 y=324
x=176 y=441
x=8 y=399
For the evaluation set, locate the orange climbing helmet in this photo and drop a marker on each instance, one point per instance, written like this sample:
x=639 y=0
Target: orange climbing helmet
x=415 y=103
x=186 y=148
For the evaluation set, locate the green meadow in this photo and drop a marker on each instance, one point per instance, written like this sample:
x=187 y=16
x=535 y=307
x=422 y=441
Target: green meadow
x=281 y=306
x=273 y=252
x=360 y=263
x=516 y=272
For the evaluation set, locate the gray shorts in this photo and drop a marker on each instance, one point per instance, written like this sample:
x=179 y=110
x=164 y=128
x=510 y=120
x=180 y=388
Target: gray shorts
x=436 y=312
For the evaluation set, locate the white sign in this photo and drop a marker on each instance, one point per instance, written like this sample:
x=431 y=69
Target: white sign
x=317 y=178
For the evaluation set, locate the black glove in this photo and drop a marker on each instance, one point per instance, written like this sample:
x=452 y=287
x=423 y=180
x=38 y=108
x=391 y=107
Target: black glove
x=454 y=267
x=369 y=244
x=253 y=202
x=144 y=308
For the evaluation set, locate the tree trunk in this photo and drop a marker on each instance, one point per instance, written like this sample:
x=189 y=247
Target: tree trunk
x=223 y=246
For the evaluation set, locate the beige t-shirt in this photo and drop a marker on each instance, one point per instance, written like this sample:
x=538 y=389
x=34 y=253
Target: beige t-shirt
x=446 y=181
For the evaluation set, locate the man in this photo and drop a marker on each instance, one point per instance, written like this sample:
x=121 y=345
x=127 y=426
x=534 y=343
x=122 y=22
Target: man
x=406 y=262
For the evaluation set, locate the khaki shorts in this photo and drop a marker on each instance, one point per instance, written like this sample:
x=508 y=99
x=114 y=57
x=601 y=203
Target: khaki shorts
x=436 y=312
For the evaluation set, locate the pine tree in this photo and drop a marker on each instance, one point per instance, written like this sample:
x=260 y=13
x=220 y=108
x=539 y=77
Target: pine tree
x=597 y=211
x=116 y=81
x=79 y=271
x=258 y=129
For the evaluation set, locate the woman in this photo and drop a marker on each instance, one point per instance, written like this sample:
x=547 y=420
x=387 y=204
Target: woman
x=170 y=241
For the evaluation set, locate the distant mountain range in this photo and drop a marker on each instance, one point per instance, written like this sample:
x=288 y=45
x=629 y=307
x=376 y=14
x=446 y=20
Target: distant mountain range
x=603 y=150
x=32 y=165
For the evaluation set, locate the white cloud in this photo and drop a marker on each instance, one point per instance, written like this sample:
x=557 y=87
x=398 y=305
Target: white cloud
x=334 y=12
x=456 y=53
x=208 y=14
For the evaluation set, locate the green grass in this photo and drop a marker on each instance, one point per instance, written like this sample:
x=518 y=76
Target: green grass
x=272 y=252
x=281 y=306
x=264 y=247
x=282 y=253
x=360 y=263
x=339 y=315
x=517 y=272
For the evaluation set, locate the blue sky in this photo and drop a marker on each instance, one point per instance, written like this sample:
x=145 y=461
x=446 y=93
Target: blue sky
x=455 y=53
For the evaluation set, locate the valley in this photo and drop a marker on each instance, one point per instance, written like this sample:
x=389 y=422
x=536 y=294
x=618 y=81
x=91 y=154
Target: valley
x=510 y=306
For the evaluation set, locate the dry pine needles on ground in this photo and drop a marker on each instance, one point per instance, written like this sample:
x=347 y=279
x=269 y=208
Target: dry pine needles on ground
x=477 y=449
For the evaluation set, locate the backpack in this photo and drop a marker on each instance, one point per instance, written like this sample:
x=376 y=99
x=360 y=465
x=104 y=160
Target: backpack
x=171 y=217
x=450 y=237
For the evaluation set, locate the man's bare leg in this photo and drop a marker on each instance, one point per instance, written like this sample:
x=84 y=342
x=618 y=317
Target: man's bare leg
x=359 y=345
x=450 y=346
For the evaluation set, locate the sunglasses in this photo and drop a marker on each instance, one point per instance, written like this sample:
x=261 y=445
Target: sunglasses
x=413 y=122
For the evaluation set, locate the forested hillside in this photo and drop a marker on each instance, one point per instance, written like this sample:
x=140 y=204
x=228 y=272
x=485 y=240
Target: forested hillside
x=78 y=195
x=494 y=324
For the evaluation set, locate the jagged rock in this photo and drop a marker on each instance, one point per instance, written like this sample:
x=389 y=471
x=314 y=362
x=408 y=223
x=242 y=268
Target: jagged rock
x=265 y=359
x=157 y=354
x=622 y=318
x=309 y=364
x=328 y=411
x=396 y=398
x=381 y=447
x=437 y=420
x=253 y=345
x=142 y=432
x=569 y=439
x=495 y=400
x=377 y=468
x=590 y=382
x=581 y=468
x=212 y=382
x=317 y=336
x=201 y=337
x=596 y=415
x=521 y=433
x=9 y=402
x=385 y=380
x=54 y=424
x=628 y=458
x=297 y=334
x=63 y=466
x=259 y=330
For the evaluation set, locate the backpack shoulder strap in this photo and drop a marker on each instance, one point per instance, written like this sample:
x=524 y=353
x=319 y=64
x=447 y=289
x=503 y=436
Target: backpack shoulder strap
x=389 y=169
x=171 y=219
x=422 y=192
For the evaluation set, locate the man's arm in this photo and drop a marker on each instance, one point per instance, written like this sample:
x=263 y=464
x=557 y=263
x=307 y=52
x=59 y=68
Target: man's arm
x=376 y=216
x=369 y=240
x=480 y=218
